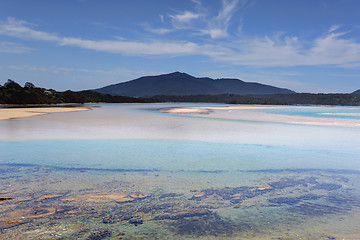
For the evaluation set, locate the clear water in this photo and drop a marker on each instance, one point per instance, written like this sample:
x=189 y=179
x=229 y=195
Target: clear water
x=202 y=177
x=352 y=113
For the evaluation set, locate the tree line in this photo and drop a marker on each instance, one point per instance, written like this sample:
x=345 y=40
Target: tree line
x=12 y=93
x=276 y=99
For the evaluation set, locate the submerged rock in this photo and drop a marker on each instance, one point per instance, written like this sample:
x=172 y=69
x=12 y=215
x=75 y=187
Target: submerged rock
x=136 y=222
x=169 y=195
x=18 y=217
x=289 y=182
x=326 y=186
x=49 y=197
x=101 y=234
x=293 y=200
x=105 y=197
x=311 y=209
x=5 y=198
x=184 y=214
x=284 y=200
x=210 y=224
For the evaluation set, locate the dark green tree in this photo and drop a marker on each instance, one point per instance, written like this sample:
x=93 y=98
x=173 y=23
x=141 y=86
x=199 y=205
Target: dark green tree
x=29 y=85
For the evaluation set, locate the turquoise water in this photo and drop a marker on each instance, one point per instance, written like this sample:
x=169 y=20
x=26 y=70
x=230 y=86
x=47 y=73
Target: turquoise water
x=199 y=178
x=318 y=112
x=174 y=155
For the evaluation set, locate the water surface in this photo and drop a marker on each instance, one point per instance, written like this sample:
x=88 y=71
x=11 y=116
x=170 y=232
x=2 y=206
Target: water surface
x=131 y=171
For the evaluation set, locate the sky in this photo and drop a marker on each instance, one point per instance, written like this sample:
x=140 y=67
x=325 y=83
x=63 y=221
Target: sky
x=306 y=46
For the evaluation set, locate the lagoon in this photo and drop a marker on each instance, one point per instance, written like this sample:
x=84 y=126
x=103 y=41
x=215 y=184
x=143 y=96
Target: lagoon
x=141 y=171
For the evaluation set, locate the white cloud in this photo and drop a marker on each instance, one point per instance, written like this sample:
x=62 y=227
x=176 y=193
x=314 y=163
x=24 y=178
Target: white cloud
x=10 y=47
x=159 y=31
x=197 y=2
x=19 y=29
x=333 y=28
x=28 y=67
x=330 y=49
x=271 y=51
x=214 y=26
x=184 y=17
x=162 y=18
x=218 y=26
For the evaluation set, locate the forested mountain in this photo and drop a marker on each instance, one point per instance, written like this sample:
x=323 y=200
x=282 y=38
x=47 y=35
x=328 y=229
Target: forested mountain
x=183 y=84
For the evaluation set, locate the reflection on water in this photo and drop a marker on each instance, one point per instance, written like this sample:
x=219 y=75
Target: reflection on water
x=131 y=172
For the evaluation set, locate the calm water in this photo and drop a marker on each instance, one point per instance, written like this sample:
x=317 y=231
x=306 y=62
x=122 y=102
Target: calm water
x=130 y=171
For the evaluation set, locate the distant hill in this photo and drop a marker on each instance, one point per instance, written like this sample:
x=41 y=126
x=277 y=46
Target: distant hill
x=182 y=84
x=356 y=92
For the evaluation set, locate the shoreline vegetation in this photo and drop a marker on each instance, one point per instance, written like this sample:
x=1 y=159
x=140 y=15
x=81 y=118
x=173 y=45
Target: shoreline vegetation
x=13 y=95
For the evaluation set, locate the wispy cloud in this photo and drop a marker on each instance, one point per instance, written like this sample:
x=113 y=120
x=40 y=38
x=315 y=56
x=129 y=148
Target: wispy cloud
x=333 y=28
x=159 y=31
x=21 y=29
x=104 y=25
x=332 y=48
x=218 y=27
x=200 y=22
x=198 y=2
x=10 y=47
x=184 y=17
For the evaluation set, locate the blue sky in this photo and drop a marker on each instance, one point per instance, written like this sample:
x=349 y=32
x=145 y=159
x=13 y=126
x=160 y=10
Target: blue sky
x=306 y=46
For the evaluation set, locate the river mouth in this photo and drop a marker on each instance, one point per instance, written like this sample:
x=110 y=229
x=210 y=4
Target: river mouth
x=131 y=173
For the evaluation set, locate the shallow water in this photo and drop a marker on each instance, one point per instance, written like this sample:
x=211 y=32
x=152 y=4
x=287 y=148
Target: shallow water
x=352 y=113
x=130 y=171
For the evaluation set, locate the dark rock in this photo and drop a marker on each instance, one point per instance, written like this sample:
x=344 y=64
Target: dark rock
x=5 y=198
x=184 y=214
x=169 y=195
x=205 y=225
x=309 y=197
x=311 y=209
x=119 y=217
x=285 y=200
x=326 y=186
x=288 y=182
x=136 y=221
x=101 y=234
x=156 y=208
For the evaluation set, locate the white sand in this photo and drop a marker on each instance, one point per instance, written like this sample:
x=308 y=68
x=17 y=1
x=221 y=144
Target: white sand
x=9 y=113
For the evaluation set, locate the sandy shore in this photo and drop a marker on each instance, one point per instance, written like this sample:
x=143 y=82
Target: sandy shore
x=10 y=113
x=245 y=113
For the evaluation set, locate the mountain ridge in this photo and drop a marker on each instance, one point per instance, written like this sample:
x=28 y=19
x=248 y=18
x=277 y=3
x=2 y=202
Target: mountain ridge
x=357 y=92
x=178 y=83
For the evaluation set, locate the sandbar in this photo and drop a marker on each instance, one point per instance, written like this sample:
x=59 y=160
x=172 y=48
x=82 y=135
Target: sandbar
x=245 y=113
x=187 y=111
x=11 y=113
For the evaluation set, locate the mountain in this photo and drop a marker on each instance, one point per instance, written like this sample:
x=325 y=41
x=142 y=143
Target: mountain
x=184 y=84
x=357 y=92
